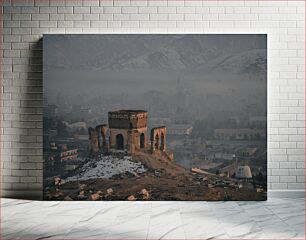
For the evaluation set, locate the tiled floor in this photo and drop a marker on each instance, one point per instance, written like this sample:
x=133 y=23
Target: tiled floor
x=273 y=219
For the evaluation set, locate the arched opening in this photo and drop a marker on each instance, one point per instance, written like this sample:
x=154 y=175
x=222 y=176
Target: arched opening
x=119 y=142
x=162 y=142
x=156 y=141
x=103 y=139
x=142 y=140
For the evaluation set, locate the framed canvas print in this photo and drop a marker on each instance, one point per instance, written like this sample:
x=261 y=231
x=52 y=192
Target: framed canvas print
x=155 y=117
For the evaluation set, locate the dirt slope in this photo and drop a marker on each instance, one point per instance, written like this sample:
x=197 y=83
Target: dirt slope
x=163 y=180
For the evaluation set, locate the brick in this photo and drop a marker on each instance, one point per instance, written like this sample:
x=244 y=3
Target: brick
x=147 y=9
x=29 y=10
x=130 y=24
x=125 y=10
x=190 y=17
x=47 y=24
x=98 y=24
x=140 y=17
x=287 y=179
x=57 y=3
x=11 y=179
x=42 y=2
x=278 y=186
x=64 y=10
x=91 y=16
x=280 y=172
x=185 y=10
x=22 y=16
x=166 y=10
x=74 y=3
x=73 y=17
x=287 y=165
x=91 y=3
x=81 y=9
x=39 y=17
x=57 y=17
x=82 y=24
x=112 y=10
x=148 y=24
x=157 y=3
x=23 y=3
x=296 y=186
x=31 y=24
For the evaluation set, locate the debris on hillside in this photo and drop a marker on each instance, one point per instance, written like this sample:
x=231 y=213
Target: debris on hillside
x=107 y=167
x=131 y=198
x=145 y=194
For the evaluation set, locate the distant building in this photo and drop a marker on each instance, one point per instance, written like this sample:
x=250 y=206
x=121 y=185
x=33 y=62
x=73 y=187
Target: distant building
x=82 y=137
x=239 y=134
x=226 y=156
x=128 y=130
x=235 y=120
x=52 y=110
x=68 y=154
x=243 y=172
x=77 y=125
x=179 y=129
x=247 y=152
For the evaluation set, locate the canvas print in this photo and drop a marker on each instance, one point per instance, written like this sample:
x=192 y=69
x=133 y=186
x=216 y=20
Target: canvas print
x=155 y=117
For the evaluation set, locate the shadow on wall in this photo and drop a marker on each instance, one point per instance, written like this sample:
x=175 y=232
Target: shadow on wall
x=30 y=154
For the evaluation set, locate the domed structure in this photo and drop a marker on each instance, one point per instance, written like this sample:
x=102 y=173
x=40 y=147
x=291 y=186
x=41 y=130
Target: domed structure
x=244 y=172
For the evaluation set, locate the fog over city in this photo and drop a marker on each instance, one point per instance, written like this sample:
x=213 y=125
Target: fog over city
x=184 y=77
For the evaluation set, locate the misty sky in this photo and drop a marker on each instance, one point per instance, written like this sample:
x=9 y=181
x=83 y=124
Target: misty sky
x=205 y=74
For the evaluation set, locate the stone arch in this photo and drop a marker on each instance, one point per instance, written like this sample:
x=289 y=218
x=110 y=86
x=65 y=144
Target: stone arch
x=93 y=140
x=142 y=140
x=156 y=141
x=101 y=132
x=119 y=141
x=162 y=142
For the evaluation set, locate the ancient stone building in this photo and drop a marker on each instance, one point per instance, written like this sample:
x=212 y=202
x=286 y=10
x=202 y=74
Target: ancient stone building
x=128 y=130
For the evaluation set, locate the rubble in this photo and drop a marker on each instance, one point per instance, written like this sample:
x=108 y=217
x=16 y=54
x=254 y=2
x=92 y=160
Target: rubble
x=109 y=191
x=96 y=196
x=107 y=167
x=58 y=181
x=145 y=194
x=182 y=184
x=131 y=198
x=67 y=198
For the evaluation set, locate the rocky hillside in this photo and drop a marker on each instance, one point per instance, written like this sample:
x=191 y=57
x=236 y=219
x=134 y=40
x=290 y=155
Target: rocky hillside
x=158 y=179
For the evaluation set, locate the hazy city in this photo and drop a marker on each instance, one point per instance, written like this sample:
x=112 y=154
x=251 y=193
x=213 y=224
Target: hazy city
x=209 y=91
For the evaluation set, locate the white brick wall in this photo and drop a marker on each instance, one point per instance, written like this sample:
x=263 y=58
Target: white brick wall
x=24 y=22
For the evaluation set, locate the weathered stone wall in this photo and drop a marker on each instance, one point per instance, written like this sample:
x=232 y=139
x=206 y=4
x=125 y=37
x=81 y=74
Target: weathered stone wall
x=158 y=139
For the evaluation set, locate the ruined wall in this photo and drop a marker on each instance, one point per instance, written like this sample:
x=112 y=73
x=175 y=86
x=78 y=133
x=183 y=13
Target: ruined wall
x=93 y=141
x=127 y=119
x=130 y=124
x=158 y=139
x=97 y=139
x=102 y=132
x=133 y=141
x=113 y=135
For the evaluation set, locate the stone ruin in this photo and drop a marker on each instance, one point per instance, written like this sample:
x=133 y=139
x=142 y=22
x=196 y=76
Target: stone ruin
x=127 y=130
x=97 y=139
